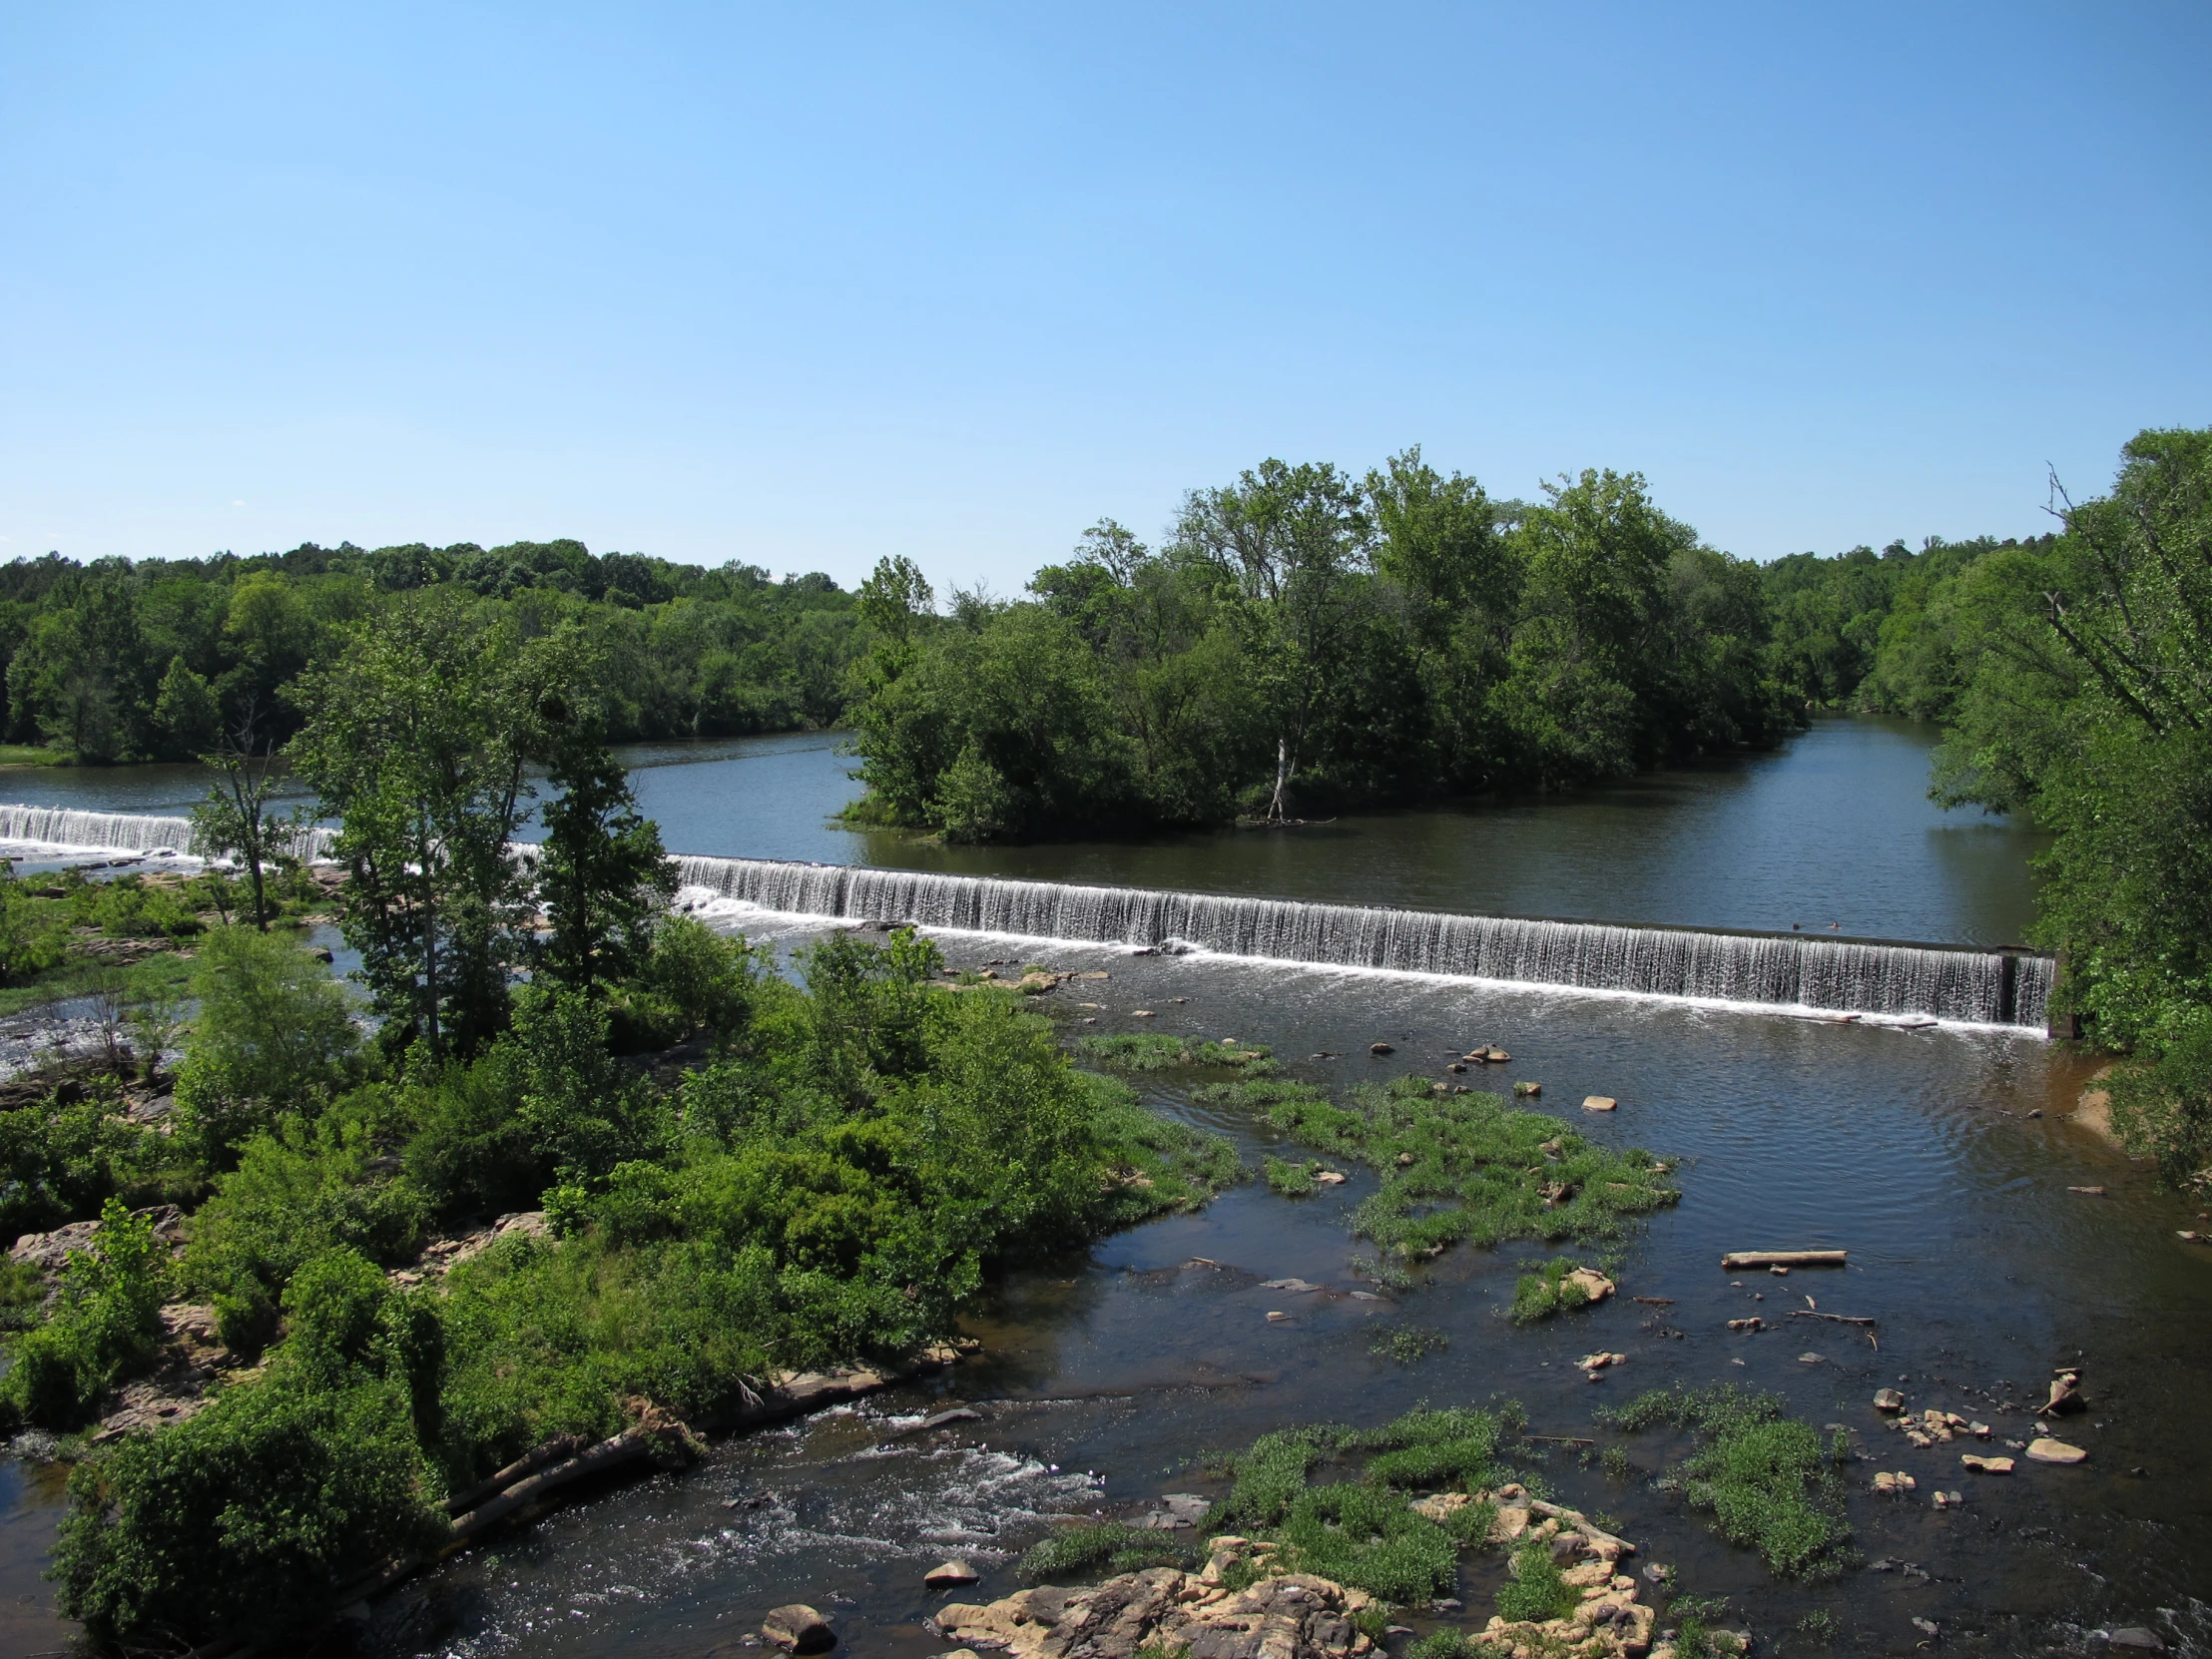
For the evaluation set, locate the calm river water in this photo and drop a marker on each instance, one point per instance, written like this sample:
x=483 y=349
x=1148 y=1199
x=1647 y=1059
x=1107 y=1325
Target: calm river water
x=1940 y=1158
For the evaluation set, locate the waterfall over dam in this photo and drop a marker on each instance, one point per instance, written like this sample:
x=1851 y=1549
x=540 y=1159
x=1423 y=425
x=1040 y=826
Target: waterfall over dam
x=1789 y=971
x=63 y=829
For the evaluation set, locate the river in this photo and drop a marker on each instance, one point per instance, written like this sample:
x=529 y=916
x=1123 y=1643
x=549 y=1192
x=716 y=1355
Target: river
x=1940 y=1157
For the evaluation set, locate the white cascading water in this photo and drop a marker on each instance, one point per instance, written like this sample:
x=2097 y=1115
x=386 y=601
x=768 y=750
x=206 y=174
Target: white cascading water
x=59 y=827
x=1986 y=987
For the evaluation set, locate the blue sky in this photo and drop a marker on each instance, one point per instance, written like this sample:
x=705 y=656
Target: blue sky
x=806 y=285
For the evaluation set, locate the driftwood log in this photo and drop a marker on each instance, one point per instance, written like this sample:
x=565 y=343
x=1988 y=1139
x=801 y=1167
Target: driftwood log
x=1783 y=1259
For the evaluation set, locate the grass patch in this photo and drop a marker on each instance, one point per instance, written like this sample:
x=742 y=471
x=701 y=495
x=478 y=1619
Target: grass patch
x=1769 y=1481
x=1290 y=1180
x=1536 y=1591
x=1460 y=1167
x=1356 y=1529
x=1097 y=1549
x=1409 y=1343
x=1547 y=1291
x=33 y=755
x=1162 y=1166
x=1160 y=1051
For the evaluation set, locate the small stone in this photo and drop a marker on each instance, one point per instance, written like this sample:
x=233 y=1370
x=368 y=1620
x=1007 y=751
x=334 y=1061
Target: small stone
x=1140 y=1013
x=1656 y=1574
x=1328 y=1178
x=1779 y=1270
x=1405 y=1160
x=1809 y=1359
x=1276 y=1317
x=1528 y=1088
x=800 y=1628
x=2087 y=1192
x=1889 y=1400
x=951 y=1575
x=1380 y=1048
x=1987 y=1465
x=1925 y=1627
x=2056 y=1452
x=1600 y=1103
x=2135 y=1638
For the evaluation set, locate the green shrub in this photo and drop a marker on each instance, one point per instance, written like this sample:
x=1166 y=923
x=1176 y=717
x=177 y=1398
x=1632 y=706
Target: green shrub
x=60 y=1163
x=1290 y=1180
x=34 y=934
x=304 y=1189
x=242 y=1518
x=1098 y=1548
x=103 y=1326
x=275 y=1038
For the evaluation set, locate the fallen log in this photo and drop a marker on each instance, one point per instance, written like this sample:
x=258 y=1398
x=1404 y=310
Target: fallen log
x=1654 y=1300
x=1783 y=1259
x=626 y=1448
x=555 y=1450
x=1840 y=1319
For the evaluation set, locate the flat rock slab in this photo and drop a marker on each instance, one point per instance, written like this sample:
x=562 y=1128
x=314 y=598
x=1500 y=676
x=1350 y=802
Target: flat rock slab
x=2056 y=1452
x=1987 y=1465
x=1600 y=1103
x=949 y=1575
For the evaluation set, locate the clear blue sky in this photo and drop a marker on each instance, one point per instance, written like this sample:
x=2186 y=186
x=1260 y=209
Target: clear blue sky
x=807 y=285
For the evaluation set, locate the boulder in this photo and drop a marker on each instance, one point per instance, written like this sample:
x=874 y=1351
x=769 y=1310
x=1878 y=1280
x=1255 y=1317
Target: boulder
x=2047 y=1451
x=2133 y=1638
x=1380 y=1048
x=1599 y=1103
x=1889 y=1400
x=2065 y=1393
x=1594 y=1284
x=951 y=1575
x=799 y=1628
x=1987 y=1465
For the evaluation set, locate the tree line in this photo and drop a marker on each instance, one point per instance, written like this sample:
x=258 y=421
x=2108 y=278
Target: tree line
x=1307 y=639
x=123 y=660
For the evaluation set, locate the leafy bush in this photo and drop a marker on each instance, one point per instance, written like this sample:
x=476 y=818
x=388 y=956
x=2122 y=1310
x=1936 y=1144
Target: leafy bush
x=34 y=935
x=304 y=1189
x=103 y=1326
x=274 y=1037
x=242 y=1518
x=59 y=1163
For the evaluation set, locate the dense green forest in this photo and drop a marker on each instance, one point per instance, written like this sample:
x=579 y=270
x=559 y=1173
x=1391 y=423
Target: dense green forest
x=121 y=660
x=1307 y=640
